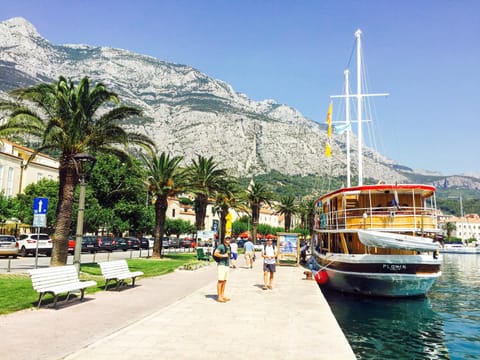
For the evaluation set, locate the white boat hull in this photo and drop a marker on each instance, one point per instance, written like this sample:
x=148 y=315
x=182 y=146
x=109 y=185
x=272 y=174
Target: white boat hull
x=380 y=275
x=460 y=250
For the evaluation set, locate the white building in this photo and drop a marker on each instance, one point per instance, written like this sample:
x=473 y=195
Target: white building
x=467 y=227
x=15 y=175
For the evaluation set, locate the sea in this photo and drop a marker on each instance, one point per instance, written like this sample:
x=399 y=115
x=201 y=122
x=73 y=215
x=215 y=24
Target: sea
x=445 y=324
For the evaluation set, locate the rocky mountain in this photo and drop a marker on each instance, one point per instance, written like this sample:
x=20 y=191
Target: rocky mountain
x=187 y=112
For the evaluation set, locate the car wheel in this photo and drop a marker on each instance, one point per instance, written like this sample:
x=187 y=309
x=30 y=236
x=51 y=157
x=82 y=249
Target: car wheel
x=48 y=253
x=23 y=252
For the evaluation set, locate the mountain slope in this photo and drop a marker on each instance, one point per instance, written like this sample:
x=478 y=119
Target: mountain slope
x=185 y=111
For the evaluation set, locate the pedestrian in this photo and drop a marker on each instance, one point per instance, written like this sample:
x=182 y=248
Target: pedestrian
x=249 y=253
x=234 y=256
x=269 y=254
x=222 y=253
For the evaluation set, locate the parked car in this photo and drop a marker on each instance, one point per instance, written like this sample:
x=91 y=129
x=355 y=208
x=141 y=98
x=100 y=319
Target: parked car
x=174 y=242
x=71 y=244
x=127 y=243
x=144 y=243
x=90 y=244
x=27 y=244
x=107 y=243
x=8 y=246
x=186 y=243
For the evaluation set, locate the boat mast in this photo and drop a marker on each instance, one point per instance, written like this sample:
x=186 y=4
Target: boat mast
x=347 y=120
x=358 y=34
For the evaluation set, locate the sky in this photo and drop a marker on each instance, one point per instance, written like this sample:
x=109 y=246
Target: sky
x=424 y=53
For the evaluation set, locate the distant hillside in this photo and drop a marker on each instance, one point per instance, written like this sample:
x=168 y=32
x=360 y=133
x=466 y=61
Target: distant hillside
x=189 y=113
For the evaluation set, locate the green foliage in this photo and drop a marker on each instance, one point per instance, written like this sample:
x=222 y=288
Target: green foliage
x=178 y=227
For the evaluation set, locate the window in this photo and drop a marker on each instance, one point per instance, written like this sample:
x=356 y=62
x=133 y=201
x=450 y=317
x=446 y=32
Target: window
x=9 y=191
x=173 y=213
x=39 y=176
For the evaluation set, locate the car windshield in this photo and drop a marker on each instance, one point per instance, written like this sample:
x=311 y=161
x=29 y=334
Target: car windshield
x=7 y=239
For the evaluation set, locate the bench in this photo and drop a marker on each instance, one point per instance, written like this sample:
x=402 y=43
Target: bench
x=58 y=280
x=118 y=270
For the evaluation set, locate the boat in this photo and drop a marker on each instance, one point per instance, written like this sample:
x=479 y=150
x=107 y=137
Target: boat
x=379 y=239
x=459 y=249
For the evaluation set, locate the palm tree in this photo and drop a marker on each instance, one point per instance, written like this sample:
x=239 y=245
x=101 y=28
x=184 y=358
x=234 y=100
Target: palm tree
x=165 y=178
x=449 y=227
x=227 y=197
x=257 y=195
x=287 y=207
x=307 y=212
x=204 y=179
x=70 y=120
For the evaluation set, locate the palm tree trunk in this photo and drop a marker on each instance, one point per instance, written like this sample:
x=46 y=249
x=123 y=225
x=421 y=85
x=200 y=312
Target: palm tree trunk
x=66 y=190
x=201 y=211
x=160 y=215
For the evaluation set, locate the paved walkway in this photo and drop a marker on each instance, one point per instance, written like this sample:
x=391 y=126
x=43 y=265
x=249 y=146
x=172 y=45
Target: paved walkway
x=176 y=316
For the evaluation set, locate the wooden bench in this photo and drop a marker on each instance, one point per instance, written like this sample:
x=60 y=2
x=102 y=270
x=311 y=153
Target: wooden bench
x=118 y=270
x=58 y=280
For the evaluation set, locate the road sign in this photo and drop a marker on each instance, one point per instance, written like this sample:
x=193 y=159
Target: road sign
x=40 y=205
x=39 y=220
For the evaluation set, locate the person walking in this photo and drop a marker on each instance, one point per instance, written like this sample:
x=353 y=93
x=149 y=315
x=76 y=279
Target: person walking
x=222 y=255
x=234 y=251
x=269 y=254
x=249 y=253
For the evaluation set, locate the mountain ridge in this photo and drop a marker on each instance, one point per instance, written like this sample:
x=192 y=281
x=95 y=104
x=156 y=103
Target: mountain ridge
x=187 y=112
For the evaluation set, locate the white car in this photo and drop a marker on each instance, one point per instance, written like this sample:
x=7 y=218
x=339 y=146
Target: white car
x=27 y=244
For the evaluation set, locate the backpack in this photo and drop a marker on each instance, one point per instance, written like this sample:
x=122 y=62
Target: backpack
x=217 y=259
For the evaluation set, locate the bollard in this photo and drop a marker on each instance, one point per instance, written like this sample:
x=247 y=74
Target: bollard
x=9 y=262
x=131 y=253
x=94 y=255
x=108 y=257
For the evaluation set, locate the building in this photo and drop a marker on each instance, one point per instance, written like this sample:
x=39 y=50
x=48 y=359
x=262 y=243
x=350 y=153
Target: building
x=15 y=175
x=466 y=227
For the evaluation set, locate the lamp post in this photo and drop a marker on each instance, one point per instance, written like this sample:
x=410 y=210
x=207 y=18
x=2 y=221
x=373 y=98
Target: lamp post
x=84 y=164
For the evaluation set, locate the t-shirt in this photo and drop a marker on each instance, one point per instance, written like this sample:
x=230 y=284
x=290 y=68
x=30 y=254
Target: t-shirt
x=269 y=251
x=248 y=246
x=222 y=249
x=234 y=247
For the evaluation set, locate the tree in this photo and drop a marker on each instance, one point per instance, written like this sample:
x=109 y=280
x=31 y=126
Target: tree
x=306 y=210
x=165 y=178
x=287 y=207
x=204 y=180
x=449 y=227
x=227 y=197
x=70 y=120
x=257 y=195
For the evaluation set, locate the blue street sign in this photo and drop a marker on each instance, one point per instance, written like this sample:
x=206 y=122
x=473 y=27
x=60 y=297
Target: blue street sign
x=40 y=205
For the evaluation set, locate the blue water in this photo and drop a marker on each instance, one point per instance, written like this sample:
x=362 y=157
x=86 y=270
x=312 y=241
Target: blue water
x=443 y=325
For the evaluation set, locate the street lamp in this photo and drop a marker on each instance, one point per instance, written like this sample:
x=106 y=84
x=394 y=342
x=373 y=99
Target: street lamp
x=84 y=164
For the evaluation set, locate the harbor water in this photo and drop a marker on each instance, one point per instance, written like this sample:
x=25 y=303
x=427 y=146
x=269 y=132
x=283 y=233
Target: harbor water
x=443 y=325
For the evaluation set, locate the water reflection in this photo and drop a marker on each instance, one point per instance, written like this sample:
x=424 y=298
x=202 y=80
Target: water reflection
x=389 y=328
x=443 y=325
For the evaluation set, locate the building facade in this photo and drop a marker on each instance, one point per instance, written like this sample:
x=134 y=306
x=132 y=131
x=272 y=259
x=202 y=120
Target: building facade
x=16 y=174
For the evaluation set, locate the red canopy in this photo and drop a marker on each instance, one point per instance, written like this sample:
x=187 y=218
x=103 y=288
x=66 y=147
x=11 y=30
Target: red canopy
x=244 y=234
x=270 y=236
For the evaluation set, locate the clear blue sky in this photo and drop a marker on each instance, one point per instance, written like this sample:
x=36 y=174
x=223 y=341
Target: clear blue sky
x=425 y=53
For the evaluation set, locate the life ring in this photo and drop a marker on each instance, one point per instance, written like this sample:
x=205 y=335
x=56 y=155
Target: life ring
x=321 y=277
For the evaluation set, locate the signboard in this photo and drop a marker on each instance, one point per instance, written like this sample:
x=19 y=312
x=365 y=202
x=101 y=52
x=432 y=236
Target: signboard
x=39 y=220
x=40 y=206
x=288 y=249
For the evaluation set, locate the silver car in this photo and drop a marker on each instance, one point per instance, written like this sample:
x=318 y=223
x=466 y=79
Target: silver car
x=8 y=246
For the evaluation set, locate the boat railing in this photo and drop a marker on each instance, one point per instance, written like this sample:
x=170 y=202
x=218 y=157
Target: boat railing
x=379 y=218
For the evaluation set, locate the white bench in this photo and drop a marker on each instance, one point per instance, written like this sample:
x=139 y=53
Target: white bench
x=118 y=270
x=58 y=280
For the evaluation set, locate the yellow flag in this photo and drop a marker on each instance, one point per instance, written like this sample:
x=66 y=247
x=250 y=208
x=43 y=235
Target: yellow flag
x=328 y=147
x=329 y=120
x=328 y=150
x=228 y=225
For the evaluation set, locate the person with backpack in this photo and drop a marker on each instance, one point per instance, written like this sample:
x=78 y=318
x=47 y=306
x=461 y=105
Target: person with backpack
x=249 y=253
x=269 y=254
x=221 y=254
